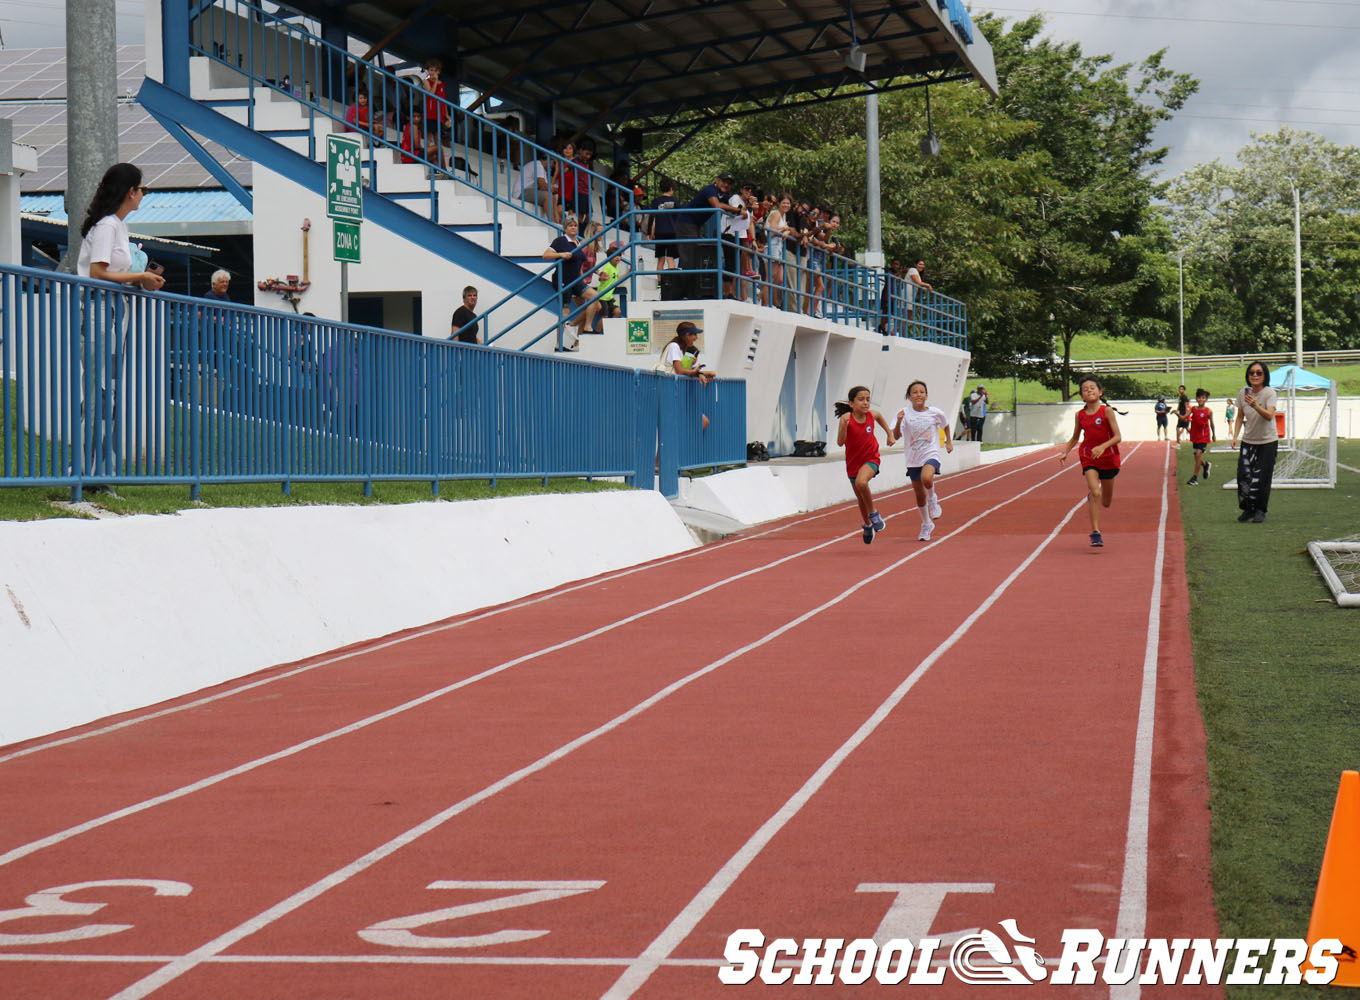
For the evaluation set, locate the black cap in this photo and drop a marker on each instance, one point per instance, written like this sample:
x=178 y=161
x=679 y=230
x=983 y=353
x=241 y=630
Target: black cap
x=725 y=176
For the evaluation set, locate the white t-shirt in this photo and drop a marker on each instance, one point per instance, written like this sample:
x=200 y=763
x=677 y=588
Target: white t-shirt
x=527 y=179
x=106 y=242
x=921 y=433
x=912 y=283
x=731 y=223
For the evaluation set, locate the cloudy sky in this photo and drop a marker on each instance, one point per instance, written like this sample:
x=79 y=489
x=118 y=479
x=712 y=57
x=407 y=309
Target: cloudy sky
x=1261 y=63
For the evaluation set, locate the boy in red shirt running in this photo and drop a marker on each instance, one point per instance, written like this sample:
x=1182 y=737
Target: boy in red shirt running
x=1201 y=433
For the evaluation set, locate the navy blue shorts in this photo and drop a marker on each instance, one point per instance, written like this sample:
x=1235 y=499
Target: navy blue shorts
x=914 y=471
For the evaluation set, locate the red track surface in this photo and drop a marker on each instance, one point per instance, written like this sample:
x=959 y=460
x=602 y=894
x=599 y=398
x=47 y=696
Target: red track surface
x=666 y=755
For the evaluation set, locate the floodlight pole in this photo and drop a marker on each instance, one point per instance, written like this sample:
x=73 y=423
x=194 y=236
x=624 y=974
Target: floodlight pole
x=91 y=109
x=1180 y=312
x=872 y=196
x=1298 y=280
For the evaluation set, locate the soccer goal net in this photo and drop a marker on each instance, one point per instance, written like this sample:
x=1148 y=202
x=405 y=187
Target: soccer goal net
x=1307 y=456
x=1339 y=564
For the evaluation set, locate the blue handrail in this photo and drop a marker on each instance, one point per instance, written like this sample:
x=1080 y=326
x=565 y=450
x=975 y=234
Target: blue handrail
x=100 y=384
x=273 y=52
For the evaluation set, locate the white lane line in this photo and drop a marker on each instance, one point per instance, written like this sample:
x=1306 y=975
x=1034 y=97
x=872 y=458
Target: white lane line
x=368 y=648
x=687 y=919
x=938 y=962
x=1132 y=919
x=198 y=956
x=60 y=836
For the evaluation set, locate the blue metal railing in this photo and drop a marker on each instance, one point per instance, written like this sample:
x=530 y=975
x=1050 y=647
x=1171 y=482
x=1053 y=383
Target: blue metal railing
x=105 y=385
x=270 y=51
x=793 y=279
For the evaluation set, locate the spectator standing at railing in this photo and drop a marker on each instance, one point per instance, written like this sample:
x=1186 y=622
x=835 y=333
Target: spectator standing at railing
x=437 y=111
x=585 y=174
x=734 y=226
x=914 y=286
x=463 y=327
x=564 y=177
x=777 y=234
x=106 y=251
x=702 y=207
x=531 y=186
x=573 y=290
x=218 y=285
x=660 y=227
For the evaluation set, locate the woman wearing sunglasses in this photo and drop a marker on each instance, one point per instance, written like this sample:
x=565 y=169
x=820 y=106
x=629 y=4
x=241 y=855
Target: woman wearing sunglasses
x=1256 y=459
x=105 y=250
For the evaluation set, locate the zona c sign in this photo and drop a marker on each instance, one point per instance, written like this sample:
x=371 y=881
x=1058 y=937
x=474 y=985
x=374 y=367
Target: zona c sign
x=346 y=241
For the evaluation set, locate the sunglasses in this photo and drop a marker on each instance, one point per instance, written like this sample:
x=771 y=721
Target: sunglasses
x=142 y=188
x=1257 y=371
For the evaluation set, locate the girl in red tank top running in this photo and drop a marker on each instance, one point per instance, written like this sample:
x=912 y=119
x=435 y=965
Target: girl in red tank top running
x=1098 y=431
x=856 y=436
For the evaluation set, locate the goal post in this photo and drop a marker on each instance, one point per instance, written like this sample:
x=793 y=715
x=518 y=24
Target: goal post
x=1339 y=564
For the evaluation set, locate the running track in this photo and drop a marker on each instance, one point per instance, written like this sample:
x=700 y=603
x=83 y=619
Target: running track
x=582 y=794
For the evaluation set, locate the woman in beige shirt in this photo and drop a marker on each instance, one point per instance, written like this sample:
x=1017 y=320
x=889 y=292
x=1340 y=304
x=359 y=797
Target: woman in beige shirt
x=1256 y=457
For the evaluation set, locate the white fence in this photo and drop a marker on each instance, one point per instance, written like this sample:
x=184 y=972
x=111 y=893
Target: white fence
x=1053 y=421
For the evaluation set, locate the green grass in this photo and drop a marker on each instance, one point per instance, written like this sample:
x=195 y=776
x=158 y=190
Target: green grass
x=1275 y=663
x=33 y=503
x=1090 y=347
x=1221 y=382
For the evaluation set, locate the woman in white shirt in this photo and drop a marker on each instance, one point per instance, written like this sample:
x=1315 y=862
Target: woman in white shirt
x=105 y=251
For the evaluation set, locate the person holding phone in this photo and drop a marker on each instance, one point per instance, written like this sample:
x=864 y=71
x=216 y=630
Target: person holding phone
x=1255 y=425
x=105 y=249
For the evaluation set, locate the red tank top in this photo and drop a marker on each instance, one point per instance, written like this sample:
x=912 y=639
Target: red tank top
x=1199 y=424
x=860 y=444
x=1095 y=429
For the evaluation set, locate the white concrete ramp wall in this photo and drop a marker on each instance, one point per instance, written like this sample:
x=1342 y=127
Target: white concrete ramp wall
x=101 y=617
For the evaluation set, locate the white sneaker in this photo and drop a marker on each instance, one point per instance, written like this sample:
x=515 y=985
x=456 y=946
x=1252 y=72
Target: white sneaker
x=926 y=528
x=934 y=509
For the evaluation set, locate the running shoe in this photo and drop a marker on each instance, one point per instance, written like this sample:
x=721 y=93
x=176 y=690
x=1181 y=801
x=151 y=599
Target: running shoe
x=926 y=528
x=1192 y=481
x=868 y=534
x=1096 y=541
x=1244 y=516
x=1207 y=467
x=1259 y=517
x=876 y=520
x=934 y=509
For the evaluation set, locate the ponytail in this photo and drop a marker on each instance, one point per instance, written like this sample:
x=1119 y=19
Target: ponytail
x=842 y=407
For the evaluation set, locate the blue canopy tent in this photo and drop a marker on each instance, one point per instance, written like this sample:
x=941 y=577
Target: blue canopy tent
x=1303 y=378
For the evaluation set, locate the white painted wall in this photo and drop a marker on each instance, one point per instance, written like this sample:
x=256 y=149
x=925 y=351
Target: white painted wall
x=101 y=617
x=853 y=356
x=1053 y=421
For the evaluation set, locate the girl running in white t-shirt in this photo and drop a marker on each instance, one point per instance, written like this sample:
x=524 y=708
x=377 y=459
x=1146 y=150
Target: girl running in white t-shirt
x=919 y=426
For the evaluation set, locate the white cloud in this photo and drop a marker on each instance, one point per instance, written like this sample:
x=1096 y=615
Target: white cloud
x=1261 y=64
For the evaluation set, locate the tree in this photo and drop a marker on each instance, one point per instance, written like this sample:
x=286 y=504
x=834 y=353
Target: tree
x=1237 y=225
x=1038 y=211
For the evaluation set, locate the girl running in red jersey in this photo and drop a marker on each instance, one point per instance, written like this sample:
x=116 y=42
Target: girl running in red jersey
x=1099 y=451
x=856 y=436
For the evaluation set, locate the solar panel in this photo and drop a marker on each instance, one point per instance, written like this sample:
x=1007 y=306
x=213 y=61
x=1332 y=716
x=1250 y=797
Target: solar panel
x=33 y=89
